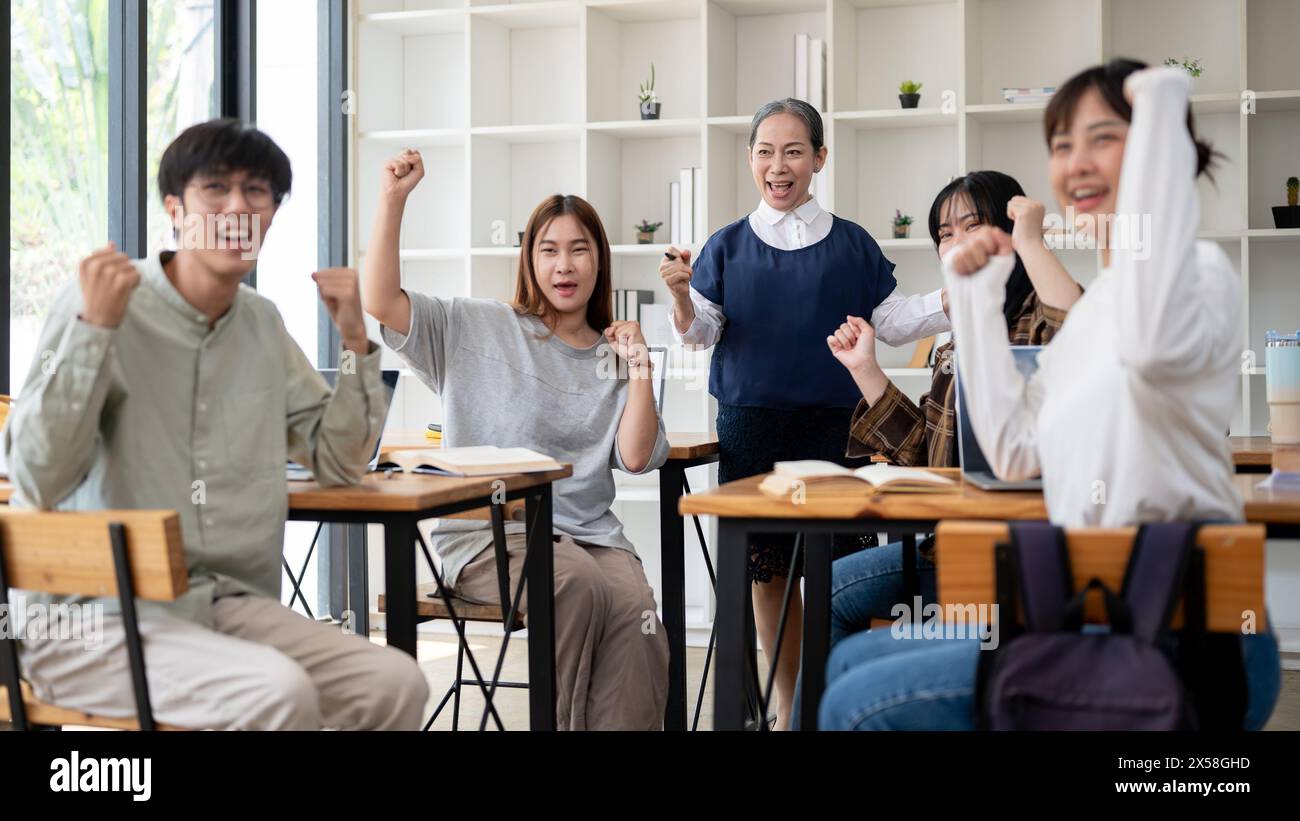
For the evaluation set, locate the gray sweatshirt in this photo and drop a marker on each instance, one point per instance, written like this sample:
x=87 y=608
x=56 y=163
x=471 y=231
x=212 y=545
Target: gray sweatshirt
x=505 y=380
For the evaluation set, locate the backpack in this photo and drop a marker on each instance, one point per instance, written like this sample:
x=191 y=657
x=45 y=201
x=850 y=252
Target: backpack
x=1052 y=675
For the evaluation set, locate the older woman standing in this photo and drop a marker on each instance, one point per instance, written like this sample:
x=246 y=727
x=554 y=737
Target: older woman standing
x=764 y=290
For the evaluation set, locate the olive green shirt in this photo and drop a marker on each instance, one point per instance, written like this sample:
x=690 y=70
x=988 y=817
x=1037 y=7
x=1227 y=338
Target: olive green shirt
x=170 y=411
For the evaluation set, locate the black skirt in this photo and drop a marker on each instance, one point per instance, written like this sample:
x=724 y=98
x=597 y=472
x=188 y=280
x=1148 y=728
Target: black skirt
x=752 y=440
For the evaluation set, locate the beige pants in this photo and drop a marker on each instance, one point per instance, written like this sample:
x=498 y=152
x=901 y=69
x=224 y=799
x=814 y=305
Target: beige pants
x=264 y=667
x=611 y=653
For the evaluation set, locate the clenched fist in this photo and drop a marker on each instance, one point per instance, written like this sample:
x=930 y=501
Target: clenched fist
x=340 y=291
x=676 y=273
x=628 y=342
x=979 y=246
x=401 y=174
x=1028 y=215
x=107 y=280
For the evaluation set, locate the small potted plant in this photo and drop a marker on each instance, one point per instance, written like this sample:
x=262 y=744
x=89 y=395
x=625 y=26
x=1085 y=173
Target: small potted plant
x=1288 y=216
x=902 y=224
x=908 y=94
x=1191 y=65
x=645 y=232
x=649 y=100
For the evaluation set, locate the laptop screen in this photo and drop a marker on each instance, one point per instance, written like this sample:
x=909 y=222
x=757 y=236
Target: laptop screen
x=969 y=455
x=390 y=387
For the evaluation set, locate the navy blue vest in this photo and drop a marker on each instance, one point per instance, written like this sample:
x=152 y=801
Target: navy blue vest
x=780 y=306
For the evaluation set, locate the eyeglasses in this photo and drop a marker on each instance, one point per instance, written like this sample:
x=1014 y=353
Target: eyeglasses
x=216 y=193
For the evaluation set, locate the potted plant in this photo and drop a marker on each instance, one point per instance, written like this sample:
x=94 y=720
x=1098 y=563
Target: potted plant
x=645 y=231
x=1288 y=216
x=649 y=100
x=902 y=223
x=907 y=94
x=1191 y=65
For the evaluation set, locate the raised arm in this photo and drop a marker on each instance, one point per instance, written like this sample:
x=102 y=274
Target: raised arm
x=1003 y=407
x=1169 y=324
x=50 y=438
x=381 y=290
x=1053 y=284
x=696 y=319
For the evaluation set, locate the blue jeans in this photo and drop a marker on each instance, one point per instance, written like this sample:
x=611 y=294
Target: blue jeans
x=877 y=682
x=865 y=586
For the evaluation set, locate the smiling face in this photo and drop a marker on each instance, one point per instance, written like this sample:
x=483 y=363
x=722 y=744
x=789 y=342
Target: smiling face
x=223 y=220
x=783 y=161
x=564 y=259
x=1085 y=158
x=957 y=217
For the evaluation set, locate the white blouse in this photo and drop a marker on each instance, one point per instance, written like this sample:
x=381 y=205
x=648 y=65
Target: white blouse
x=1127 y=416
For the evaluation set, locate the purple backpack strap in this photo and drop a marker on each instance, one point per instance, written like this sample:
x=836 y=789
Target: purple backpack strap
x=1153 y=581
x=1046 y=584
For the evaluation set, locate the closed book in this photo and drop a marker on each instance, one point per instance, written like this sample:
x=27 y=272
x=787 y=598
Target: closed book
x=675 y=213
x=698 y=230
x=634 y=301
x=800 y=67
x=817 y=73
x=687 y=204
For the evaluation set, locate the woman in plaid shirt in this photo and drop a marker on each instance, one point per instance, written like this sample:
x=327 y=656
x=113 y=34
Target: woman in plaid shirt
x=1040 y=291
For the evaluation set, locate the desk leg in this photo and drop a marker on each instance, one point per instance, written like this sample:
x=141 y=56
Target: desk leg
x=399 y=582
x=816 y=624
x=672 y=550
x=731 y=619
x=541 y=611
x=358 y=573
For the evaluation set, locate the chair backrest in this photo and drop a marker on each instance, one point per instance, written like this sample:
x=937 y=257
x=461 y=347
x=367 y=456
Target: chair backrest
x=1234 y=568
x=70 y=553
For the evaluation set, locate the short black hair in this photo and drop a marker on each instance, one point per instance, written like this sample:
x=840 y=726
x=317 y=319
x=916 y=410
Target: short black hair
x=988 y=193
x=218 y=147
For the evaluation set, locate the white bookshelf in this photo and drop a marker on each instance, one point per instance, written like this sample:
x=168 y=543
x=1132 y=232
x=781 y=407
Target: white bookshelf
x=513 y=101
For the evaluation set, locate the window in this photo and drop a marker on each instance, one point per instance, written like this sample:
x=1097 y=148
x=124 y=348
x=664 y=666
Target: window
x=180 y=69
x=58 y=155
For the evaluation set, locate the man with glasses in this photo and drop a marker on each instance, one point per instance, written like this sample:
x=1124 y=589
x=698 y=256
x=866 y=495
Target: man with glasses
x=165 y=383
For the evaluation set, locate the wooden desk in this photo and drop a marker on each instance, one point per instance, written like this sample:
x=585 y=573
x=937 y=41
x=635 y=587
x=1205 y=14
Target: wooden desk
x=686 y=450
x=1251 y=454
x=743 y=510
x=400 y=502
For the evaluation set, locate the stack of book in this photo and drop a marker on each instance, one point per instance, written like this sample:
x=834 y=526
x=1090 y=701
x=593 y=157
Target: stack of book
x=628 y=302
x=686 y=208
x=1028 y=95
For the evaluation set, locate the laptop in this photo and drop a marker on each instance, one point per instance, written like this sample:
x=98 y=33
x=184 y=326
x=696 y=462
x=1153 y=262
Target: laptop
x=297 y=473
x=974 y=467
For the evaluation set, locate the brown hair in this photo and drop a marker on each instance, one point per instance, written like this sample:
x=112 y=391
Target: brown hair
x=1109 y=79
x=529 y=299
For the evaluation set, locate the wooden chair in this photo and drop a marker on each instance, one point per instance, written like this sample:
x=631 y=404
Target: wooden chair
x=1233 y=568
x=129 y=554
x=433 y=602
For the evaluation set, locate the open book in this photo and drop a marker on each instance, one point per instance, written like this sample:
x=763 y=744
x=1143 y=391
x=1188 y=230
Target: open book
x=829 y=479
x=483 y=460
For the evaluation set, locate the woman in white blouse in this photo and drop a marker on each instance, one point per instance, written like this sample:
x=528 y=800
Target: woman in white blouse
x=1128 y=413
x=764 y=289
